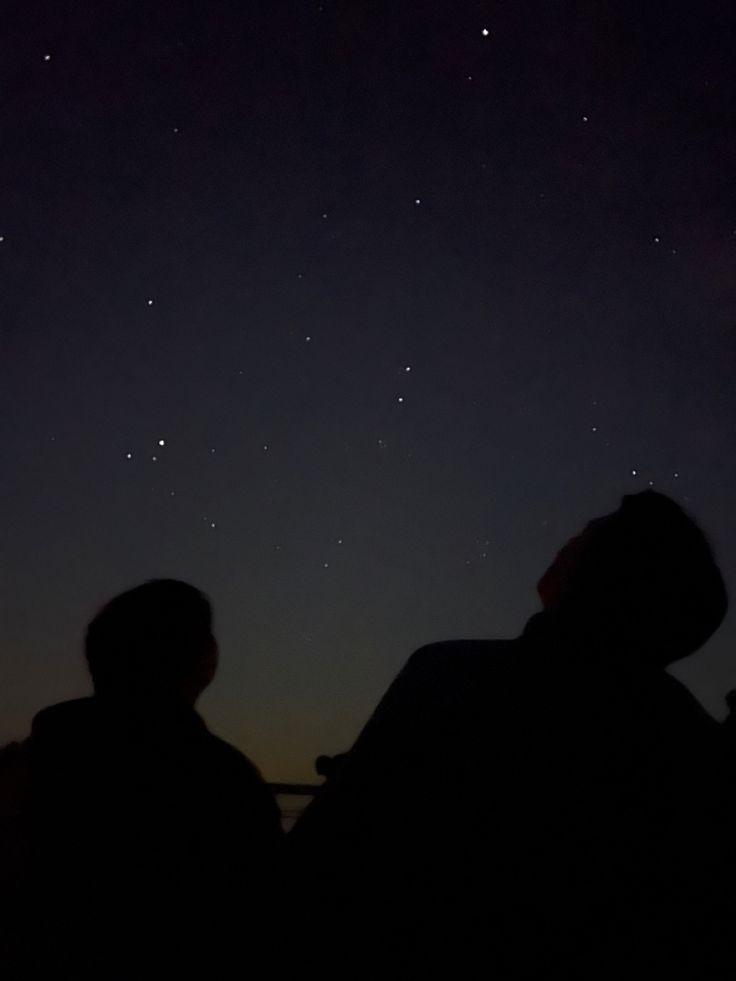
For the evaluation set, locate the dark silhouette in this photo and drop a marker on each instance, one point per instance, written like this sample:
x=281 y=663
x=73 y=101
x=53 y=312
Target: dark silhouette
x=152 y=843
x=329 y=766
x=730 y=721
x=553 y=807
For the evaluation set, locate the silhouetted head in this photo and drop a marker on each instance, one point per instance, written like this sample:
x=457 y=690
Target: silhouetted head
x=643 y=578
x=153 y=642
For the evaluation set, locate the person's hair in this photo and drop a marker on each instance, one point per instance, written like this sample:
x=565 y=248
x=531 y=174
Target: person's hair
x=149 y=639
x=648 y=569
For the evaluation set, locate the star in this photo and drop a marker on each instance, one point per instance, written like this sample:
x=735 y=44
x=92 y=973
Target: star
x=485 y=32
x=128 y=456
x=149 y=303
x=407 y=369
x=400 y=398
x=417 y=200
x=47 y=57
x=634 y=473
x=162 y=442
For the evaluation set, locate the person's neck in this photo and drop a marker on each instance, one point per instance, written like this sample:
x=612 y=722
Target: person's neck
x=589 y=636
x=147 y=705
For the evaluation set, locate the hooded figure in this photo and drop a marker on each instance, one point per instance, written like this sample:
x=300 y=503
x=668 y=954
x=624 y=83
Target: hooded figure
x=550 y=807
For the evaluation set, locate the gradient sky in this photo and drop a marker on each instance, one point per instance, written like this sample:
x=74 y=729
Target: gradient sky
x=350 y=314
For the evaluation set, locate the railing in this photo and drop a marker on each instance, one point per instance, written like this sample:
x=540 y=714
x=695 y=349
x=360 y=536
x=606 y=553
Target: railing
x=290 y=813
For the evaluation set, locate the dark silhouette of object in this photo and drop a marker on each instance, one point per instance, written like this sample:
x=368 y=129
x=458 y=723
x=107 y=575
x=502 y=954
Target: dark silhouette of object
x=329 y=766
x=550 y=807
x=153 y=843
x=14 y=852
x=729 y=730
x=730 y=720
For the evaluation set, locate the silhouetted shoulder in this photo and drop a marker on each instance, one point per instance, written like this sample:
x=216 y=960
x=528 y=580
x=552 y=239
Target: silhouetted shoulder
x=240 y=781
x=457 y=663
x=452 y=652
x=75 y=712
x=440 y=685
x=230 y=758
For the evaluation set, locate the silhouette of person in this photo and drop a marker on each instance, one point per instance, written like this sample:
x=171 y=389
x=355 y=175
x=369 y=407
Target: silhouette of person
x=548 y=807
x=730 y=721
x=154 y=843
x=329 y=766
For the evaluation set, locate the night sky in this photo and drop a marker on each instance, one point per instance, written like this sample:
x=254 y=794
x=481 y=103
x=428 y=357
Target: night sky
x=350 y=313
